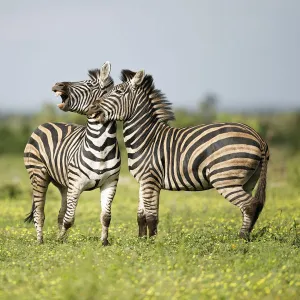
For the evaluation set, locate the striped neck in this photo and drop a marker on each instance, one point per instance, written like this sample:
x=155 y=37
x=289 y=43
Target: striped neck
x=140 y=132
x=97 y=134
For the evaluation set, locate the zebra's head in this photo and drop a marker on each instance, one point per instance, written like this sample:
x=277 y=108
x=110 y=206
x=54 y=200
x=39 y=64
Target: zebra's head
x=136 y=95
x=119 y=103
x=78 y=96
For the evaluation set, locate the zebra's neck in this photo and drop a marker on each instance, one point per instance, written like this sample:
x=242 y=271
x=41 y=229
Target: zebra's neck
x=97 y=138
x=139 y=134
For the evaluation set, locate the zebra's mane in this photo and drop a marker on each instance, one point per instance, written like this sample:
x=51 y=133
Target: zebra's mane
x=162 y=108
x=94 y=74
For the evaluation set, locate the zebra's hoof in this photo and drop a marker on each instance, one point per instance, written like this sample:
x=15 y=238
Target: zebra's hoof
x=105 y=243
x=61 y=241
x=62 y=238
x=245 y=236
x=40 y=242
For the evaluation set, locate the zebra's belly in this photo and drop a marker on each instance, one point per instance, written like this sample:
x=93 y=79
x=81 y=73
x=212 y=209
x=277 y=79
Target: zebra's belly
x=84 y=183
x=90 y=184
x=58 y=173
x=186 y=184
x=84 y=176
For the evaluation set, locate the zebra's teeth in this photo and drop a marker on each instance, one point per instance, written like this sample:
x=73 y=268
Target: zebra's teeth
x=58 y=93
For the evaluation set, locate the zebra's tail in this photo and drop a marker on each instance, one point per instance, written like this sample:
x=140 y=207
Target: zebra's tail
x=260 y=195
x=29 y=217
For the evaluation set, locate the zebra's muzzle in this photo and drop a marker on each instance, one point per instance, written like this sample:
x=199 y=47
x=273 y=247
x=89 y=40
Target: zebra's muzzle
x=98 y=116
x=61 y=89
x=95 y=112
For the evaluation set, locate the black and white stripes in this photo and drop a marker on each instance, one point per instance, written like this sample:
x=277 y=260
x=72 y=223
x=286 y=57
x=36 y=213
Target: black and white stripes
x=74 y=158
x=229 y=157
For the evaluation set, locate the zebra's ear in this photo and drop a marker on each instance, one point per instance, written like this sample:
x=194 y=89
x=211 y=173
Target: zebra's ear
x=105 y=71
x=138 y=78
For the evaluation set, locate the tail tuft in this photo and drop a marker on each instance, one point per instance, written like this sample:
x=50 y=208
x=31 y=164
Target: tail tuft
x=29 y=218
x=260 y=195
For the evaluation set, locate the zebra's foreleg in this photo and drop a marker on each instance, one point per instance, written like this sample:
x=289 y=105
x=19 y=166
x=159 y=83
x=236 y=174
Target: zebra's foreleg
x=69 y=218
x=141 y=217
x=107 y=195
x=150 y=197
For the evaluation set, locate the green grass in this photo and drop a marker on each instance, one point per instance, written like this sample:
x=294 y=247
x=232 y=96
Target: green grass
x=196 y=254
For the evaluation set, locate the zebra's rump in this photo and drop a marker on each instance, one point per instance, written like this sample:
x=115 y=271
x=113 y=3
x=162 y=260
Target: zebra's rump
x=50 y=148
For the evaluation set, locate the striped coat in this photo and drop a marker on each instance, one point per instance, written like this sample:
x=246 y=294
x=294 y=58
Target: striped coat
x=229 y=157
x=74 y=158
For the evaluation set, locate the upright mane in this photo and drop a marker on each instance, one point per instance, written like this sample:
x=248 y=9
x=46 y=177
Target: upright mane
x=94 y=74
x=162 y=108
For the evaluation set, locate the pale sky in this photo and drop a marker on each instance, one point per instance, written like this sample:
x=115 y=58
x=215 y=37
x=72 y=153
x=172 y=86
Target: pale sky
x=245 y=51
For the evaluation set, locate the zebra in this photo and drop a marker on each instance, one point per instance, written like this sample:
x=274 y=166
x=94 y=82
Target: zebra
x=229 y=157
x=74 y=158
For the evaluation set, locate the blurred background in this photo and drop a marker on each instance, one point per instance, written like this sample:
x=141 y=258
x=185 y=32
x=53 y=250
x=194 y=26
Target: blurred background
x=215 y=60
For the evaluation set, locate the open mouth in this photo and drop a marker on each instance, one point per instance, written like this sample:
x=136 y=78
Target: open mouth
x=60 y=90
x=100 y=116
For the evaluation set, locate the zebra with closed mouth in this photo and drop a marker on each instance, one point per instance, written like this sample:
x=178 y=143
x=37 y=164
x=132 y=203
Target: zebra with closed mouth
x=229 y=157
x=74 y=158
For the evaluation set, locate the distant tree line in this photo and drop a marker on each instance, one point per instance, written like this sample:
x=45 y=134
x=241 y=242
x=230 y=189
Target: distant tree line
x=278 y=129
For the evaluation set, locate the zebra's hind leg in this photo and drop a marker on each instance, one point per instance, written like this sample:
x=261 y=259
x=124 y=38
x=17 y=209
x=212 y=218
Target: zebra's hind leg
x=63 y=206
x=237 y=196
x=39 y=184
x=69 y=217
x=255 y=206
x=107 y=195
x=250 y=184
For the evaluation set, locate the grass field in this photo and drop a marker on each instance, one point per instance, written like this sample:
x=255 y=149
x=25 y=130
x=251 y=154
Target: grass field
x=196 y=254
